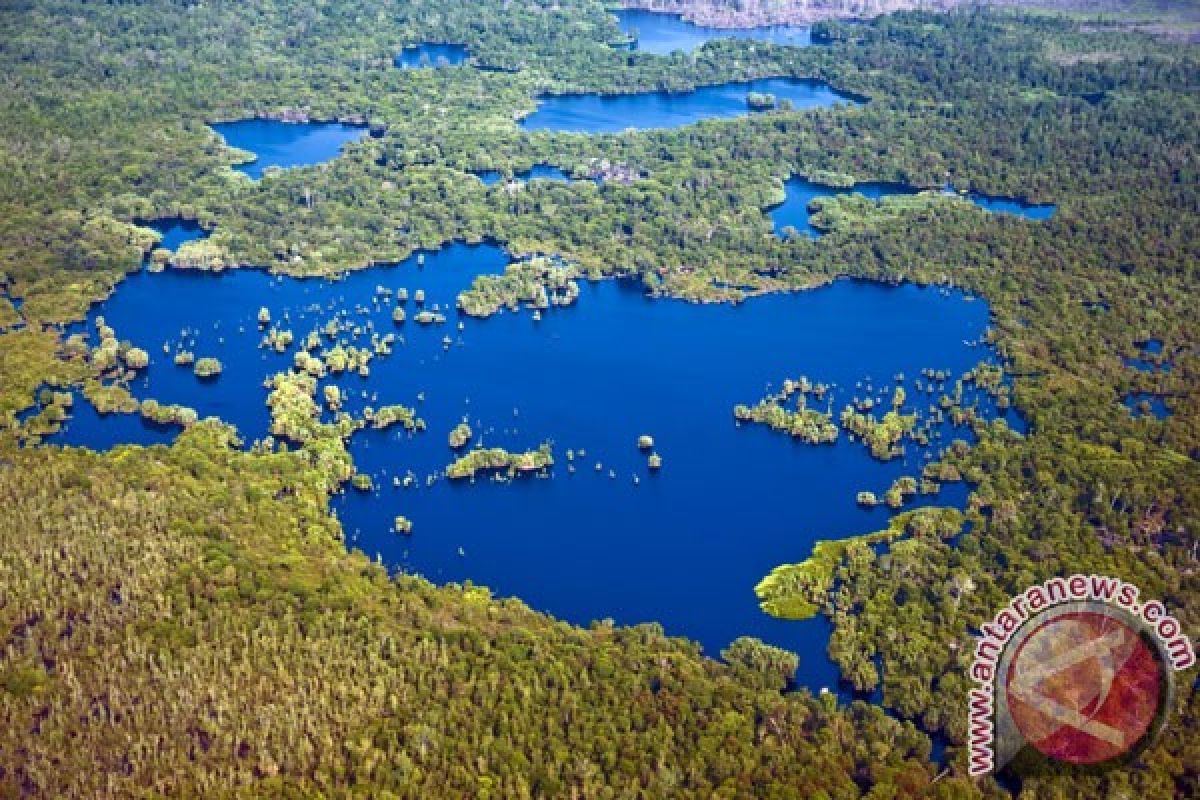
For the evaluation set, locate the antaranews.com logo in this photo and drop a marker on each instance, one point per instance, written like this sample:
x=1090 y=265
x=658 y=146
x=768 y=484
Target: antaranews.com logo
x=1075 y=670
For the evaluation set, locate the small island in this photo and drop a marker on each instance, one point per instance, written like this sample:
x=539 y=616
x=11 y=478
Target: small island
x=761 y=101
x=497 y=459
x=460 y=436
x=801 y=422
x=387 y=416
x=538 y=282
x=207 y=367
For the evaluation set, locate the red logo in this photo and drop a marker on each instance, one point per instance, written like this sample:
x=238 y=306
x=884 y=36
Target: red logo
x=1084 y=687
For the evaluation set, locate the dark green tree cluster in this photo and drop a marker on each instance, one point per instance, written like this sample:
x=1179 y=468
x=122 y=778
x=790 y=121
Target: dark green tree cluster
x=184 y=621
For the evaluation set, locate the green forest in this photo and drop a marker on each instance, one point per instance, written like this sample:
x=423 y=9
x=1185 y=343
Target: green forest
x=186 y=621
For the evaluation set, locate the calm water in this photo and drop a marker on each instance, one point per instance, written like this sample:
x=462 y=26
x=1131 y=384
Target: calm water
x=175 y=231
x=1008 y=205
x=592 y=113
x=1158 y=406
x=662 y=34
x=431 y=55
x=799 y=192
x=286 y=144
x=537 y=172
x=683 y=547
x=1147 y=365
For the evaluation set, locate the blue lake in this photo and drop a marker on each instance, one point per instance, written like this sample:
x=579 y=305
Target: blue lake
x=593 y=113
x=537 y=172
x=286 y=144
x=799 y=192
x=1007 y=205
x=1146 y=364
x=174 y=232
x=1155 y=403
x=431 y=55
x=684 y=546
x=662 y=34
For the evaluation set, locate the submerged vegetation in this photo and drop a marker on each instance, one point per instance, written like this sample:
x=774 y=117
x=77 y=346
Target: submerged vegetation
x=280 y=663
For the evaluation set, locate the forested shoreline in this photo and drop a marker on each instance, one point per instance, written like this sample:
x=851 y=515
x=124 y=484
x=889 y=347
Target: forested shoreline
x=186 y=620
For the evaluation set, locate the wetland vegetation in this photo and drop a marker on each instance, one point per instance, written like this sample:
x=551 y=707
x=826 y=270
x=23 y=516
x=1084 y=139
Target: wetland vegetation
x=233 y=614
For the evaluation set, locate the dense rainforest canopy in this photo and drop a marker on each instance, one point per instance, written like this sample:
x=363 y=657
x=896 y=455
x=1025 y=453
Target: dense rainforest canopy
x=186 y=620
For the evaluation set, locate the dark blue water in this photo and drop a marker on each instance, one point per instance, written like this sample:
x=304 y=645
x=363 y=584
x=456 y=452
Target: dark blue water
x=593 y=113
x=431 y=55
x=1158 y=407
x=537 y=172
x=286 y=144
x=1146 y=365
x=1151 y=346
x=175 y=231
x=662 y=34
x=684 y=547
x=1007 y=205
x=799 y=192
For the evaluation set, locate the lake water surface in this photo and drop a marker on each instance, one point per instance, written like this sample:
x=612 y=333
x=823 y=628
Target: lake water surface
x=593 y=113
x=662 y=34
x=286 y=144
x=799 y=192
x=683 y=547
x=430 y=55
x=543 y=172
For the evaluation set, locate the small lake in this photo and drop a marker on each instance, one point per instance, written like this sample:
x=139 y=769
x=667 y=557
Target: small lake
x=174 y=232
x=431 y=55
x=594 y=113
x=1008 y=205
x=1142 y=403
x=799 y=192
x=684 y=546
x=286 y=144
x=662 y=34
x=543 y=172
x=1147 y=365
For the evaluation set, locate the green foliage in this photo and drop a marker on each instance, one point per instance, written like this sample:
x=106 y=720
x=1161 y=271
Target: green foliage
x=102 y=123
x=207 y=367
x=459 y=436
x=497 y=459
x=388 y=416
x=797 y=591
x=802 y=423
x=538 y=283
x=278 y=659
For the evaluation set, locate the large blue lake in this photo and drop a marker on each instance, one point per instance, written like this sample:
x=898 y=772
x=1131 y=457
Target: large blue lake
x=286 y=144
x=593 y=113
x=799 y=192
x=662 y=34
x=683 y=547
